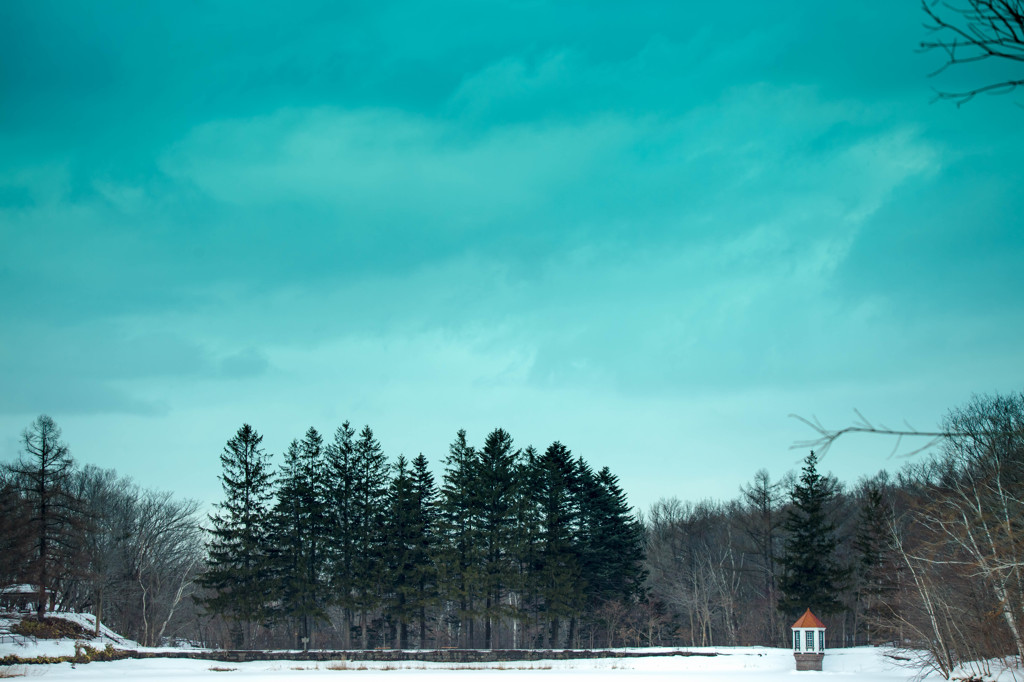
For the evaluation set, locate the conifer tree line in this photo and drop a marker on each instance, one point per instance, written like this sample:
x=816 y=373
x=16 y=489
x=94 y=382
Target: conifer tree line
x=342 y=547
x=521 y=548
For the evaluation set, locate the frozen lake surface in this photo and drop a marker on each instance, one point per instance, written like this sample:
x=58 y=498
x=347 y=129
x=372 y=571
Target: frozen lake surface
x=740 y=663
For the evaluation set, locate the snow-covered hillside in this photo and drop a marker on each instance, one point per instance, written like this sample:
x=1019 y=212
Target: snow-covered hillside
x=26 y=647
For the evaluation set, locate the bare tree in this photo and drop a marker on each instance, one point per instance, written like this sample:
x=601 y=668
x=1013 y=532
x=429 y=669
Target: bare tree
x=695 y=569
x=760 y=517
x=166 y=551
x=970 y=31
x=15 y=540
x=983 y=514
x=106 y=498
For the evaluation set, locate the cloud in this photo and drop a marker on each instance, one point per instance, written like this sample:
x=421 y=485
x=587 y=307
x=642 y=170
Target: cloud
x=250 y=362
x=102 y=367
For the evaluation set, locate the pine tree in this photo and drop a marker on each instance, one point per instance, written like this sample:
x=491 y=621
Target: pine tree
x=369 y=510
x=408 y=559
x=527 y=544
x=560 y=579
x=301 y=528
x=495 y=487
x=238 y=570
x=614 y=550
x=424 y=554
x=811 y=577
x=877 y=570
x=458 y=551
x=616 y=546
x=341 y=499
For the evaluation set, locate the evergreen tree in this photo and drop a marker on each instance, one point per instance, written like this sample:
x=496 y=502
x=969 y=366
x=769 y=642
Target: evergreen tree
x=811 y=577
x=341 y=499
x=560 y=573
x=237 y=567
x=424 y=567
x=527 y=543
x=369 y=511
x=301 y=528
x=408 y=558
x=877 y=570
x=614 y=550
x=495 y=486
x=458 y=551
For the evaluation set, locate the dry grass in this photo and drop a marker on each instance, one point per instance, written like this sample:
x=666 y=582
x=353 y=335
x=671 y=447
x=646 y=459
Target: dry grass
x=8 y=671
x=48 y=628
x=220 y=669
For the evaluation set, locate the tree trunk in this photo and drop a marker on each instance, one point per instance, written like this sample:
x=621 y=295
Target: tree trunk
x=99 y=612
x=346 y=628
x=487 y=622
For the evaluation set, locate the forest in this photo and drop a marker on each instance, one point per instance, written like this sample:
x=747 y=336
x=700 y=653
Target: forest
x=341 y=547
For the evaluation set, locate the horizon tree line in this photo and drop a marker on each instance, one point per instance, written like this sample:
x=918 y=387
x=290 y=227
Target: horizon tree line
x=522 y=548
x=514 y=548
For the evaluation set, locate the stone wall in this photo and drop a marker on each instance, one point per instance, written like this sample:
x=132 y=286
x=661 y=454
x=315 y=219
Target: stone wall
x=431 y=655
x=808 y=661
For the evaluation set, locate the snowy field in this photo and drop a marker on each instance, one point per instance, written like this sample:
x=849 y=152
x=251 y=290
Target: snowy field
x=731 y=663
x=753 y=663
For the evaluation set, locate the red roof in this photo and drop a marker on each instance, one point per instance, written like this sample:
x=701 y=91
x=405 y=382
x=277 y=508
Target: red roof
x=808 y=620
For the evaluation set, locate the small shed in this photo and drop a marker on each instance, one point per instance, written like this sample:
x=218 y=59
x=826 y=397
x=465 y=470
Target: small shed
x=21 y=597
x=808 y=642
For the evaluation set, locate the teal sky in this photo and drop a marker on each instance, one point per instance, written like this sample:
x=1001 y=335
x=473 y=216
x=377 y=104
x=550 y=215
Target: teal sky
x=650 y=231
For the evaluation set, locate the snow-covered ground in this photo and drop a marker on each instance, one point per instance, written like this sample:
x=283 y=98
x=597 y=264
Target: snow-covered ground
x=742 y=663
x=732 y=663
x=28 y=647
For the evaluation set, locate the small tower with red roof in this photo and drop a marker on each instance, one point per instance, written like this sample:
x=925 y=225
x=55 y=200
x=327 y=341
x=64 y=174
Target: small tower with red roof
x=808 y=642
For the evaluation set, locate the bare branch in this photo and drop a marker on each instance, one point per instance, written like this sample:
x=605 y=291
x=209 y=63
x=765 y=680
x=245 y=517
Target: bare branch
x=826 y=437
x=971 y=31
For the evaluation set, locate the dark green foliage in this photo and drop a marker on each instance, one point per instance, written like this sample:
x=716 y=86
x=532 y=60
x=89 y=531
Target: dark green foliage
x=877 y=570
x=301 y=531
x=811 y=577
x=527 y=544
x=424 y=574
x=615 y=543
x=341 y=500
x=560 y=581
x=410 y=570
x=518 y=548
x=238 y=566
x=369 y=514
x=494 y=501
x=458 y=552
